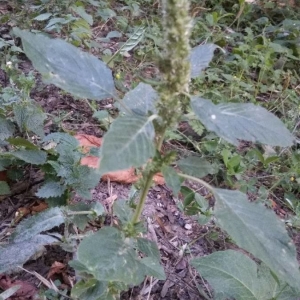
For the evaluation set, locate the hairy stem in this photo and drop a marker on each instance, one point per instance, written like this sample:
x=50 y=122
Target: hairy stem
x=140 y=206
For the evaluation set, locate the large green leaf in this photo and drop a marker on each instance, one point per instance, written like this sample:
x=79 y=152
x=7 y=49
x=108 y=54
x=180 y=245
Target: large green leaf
x=6 y=129
x=196 y=166
x=128 y=143
x=34 y=225
x=108 y=256
x=234 y=275
x=244 y=121
x=258 y=230
x=140 y=100
x=67 y=67
x=17 y=253
x=35 y=157
x=200 y=58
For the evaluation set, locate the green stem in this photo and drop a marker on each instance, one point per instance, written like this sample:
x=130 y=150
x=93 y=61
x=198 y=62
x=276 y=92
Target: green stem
x=205 y=184
x=142 y=200
x=90 y=105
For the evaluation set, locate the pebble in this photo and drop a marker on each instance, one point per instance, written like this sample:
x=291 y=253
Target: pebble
x=188 y=226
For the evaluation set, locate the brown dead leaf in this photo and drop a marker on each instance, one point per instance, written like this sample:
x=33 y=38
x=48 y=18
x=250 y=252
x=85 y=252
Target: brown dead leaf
x=38 y=207
x=25 y=292
x=3 y=176
x=56 y=268
x=124 y=176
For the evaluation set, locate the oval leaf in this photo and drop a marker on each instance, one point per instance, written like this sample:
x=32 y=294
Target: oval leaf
x=258 y=230
x=16 y=254
x=128 y=143
x=35 y=157
x=133 y=40
x=200 y=58
x=108 y=257
x=233 y=121
x=140 y=100
x=34 y=225
x=196 y=166
x=67 y=67
x=234 y=275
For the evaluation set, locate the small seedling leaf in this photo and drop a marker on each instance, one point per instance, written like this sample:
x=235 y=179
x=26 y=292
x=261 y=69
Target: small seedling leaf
x=67 y=67
x=244 y=121
x=128 y=143
x=257 y=229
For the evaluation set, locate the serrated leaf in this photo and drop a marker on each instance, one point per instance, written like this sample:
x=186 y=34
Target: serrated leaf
x=35 y=157
x=4 y=188
x=17 y=253
x=51 y=189
x=43 y=17
x=196 y=166
x=258 y=230
x=173 y=181
x=234 y=275
x=197 y=126
x=36 y=224
x=6 y=129
x=133 y=40
x=244 y=121
x=140 y=100
x=21 y=142
x=82 y=179
x=67 y=67
x=200 y=58
x=108 y=257
x=64 y=138
x=30 y=117
x=128 y=143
